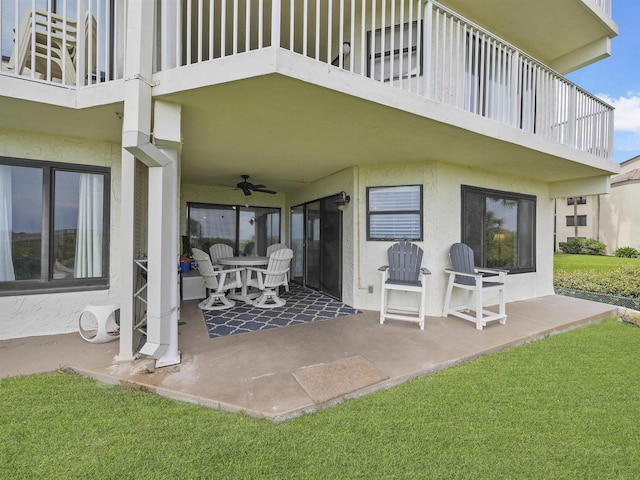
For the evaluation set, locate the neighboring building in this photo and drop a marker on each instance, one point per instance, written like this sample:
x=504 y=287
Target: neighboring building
x=577 y=217
x=443 y=122
x=612 y=218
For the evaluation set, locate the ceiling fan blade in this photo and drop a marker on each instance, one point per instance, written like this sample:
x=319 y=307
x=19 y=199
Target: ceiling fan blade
x=261 y=190
x=246 y=191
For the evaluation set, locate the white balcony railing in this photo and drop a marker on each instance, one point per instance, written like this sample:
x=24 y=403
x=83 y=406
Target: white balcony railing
x=605 y=5
x=77 y=43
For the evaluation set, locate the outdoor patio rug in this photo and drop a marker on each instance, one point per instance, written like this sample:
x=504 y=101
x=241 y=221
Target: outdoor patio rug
x=303 y=306
x=331 y=380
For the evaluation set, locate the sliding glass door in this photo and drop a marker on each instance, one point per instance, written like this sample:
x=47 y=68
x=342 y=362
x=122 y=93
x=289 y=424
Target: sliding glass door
x=316 y=237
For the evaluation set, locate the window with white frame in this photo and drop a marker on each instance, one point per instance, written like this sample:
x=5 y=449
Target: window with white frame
x=394 y=213
x=394 y=52
x=54 y=226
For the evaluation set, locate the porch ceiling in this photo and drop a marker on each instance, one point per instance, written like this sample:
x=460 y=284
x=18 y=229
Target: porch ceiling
x=102 y=123
x=286 y=133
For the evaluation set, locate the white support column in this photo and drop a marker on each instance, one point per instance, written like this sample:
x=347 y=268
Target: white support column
x=136 y=123
x=127 y=271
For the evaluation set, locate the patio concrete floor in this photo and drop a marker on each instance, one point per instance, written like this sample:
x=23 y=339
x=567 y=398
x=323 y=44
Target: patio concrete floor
x=284 y=372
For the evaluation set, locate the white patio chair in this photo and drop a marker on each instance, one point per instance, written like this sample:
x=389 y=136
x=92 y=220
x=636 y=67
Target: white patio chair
x=466 y=276
x=269 y=279
x=219 y=250
x=274 y=248
x=403 y=273
x=217 y=282
x=54 y=42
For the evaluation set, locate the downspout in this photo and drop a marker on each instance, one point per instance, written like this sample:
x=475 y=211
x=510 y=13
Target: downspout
x=598 y=218
x=139 y=144
x=161 y=344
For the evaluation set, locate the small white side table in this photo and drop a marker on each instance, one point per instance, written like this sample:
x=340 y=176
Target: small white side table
x=193 y=286
x=97 y=322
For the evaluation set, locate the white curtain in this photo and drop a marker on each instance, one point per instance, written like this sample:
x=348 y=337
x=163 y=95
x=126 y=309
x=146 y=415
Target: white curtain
x=88 y=262
x=7 y=273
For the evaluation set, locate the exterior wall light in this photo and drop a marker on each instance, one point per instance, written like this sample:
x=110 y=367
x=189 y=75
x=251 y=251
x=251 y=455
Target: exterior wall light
x=342 y=201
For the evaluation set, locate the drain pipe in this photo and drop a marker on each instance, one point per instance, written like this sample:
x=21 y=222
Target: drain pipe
x=162 y=315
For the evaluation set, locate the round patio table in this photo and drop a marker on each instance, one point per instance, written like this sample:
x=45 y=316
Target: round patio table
x=248 y=261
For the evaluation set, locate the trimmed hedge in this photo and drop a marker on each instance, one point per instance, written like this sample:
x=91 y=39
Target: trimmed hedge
x=622 y=281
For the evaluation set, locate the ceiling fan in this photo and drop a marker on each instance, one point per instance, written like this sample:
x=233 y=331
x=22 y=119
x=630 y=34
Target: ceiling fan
x=248 y=187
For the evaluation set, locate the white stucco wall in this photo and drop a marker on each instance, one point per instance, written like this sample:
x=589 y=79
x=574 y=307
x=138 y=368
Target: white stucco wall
x=620 y=217
x=442 y=207
x=48 y=314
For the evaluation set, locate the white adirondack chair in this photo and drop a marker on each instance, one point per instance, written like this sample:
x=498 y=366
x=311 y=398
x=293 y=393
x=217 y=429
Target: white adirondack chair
x=403 y=273
x=466 y=276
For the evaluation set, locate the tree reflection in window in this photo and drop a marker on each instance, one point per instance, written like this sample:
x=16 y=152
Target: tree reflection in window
x=501 y=220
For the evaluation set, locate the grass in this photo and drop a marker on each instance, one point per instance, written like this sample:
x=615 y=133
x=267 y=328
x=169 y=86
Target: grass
x=563 y=407
x=600 y=263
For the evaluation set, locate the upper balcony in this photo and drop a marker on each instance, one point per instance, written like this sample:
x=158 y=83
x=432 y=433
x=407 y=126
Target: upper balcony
x=564 y=35
x=420 y=49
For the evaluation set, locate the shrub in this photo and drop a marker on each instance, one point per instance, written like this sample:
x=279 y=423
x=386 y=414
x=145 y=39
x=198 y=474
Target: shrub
x=626 y=252
x=583 y=246
x=623 y=281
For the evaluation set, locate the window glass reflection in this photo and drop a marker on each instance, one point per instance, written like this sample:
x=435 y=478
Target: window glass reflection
x=20 y=223
x=78 y=225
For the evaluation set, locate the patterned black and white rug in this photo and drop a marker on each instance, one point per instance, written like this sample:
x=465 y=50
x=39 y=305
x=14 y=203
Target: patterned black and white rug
x=303 y=306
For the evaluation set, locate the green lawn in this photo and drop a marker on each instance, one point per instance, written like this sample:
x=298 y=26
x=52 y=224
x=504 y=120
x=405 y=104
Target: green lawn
x=563 y=407
x=569 y=263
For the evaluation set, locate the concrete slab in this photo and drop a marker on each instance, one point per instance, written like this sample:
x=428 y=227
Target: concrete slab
x=257 y=372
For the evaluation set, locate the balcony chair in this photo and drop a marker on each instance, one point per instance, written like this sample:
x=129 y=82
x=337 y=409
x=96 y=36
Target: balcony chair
x=219 y=250
x=274 y=248
x=403 y=273
x=466 y=276
x=62 y=49
x=269 y=279
x=217 y=282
